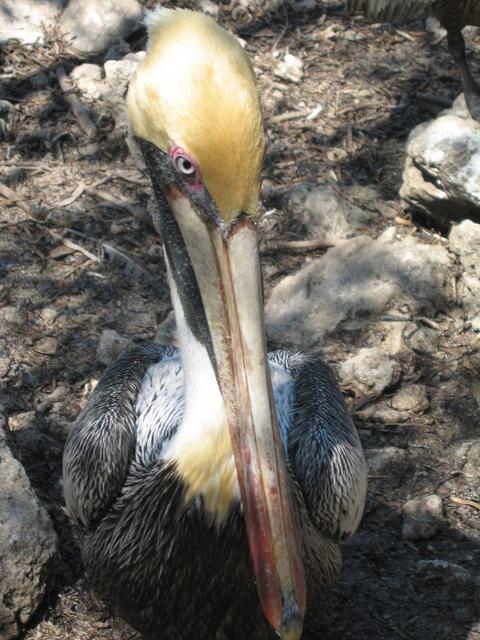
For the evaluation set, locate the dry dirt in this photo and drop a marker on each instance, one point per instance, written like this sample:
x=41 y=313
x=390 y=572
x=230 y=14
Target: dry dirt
x=70 y=195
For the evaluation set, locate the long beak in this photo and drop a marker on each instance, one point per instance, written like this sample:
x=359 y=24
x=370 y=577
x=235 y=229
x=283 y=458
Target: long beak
x=227 y=269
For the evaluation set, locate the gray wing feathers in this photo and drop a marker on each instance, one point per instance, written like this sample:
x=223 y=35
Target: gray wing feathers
x=101 y=443
x=324 y=450
x=389 y=10
x=159 y=408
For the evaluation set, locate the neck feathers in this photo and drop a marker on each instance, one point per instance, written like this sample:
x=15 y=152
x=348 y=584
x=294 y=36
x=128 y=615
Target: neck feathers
x=201 y=448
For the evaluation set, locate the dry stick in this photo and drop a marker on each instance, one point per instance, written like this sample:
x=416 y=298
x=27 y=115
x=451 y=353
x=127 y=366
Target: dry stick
x=9 y=194
x=73 y=245
x=297 y=245
x=467 y=503
x=436 y=101
x=426 y=321
x=290 y=115
x=80 y=112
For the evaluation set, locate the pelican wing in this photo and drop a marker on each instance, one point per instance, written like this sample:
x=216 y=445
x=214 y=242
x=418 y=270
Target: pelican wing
x=103 y=439
x=324 y=451
x=389 y=10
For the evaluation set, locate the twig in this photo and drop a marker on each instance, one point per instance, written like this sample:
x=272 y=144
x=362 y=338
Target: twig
x=426 y=321
x=290 y=115
x=11 y=195
x=468 y=503
x=107 y=197
x=74 y=246
x=279 y=38
x=296 y=245
x=436 y=101
x=367 y=105
x=80 y=112
x=85 y=265
x=405 y=35
x=79 y=191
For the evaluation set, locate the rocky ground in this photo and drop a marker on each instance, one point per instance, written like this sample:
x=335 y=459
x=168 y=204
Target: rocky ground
x=387 y=295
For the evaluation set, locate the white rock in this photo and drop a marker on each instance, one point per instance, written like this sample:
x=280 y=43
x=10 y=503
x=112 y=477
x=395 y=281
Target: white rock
x=290 y=68
x=433 y=26
x=370 y=371
x=12 y=315
x=325 y=214
x=356 y=281
x=381 y=412
x=208 y=7
x=118 y=72
x=28 y=546
x=442 y=168
x=109 y=84
x=111 y=345
x=21 y=421
x=49 y=315
x=379 y=460
x=24 y=20
x=422 y=517
x=88 y=79
x=117 y=77
x=412 y=398
x=90 y=27
x=465 y=242
x=470 y=468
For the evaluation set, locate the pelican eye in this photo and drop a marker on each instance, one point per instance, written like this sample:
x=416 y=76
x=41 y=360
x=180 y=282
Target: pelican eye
x=185 y=166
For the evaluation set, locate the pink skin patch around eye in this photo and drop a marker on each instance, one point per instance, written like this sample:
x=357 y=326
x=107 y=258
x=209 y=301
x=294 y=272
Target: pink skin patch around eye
x=194 y=181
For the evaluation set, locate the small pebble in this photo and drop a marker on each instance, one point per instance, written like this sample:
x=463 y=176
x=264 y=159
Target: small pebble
x=290 y=68
x=422 y=517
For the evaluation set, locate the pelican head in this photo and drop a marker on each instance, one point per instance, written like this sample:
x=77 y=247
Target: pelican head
x=194 y=107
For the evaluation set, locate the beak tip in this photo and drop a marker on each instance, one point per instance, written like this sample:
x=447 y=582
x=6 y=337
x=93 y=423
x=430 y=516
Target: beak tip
x=292 y=625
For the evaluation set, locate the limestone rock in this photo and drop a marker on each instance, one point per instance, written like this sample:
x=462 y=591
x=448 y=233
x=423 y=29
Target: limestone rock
x=422 y=517
x=470 y=468
x=28 y=546
x=290 y=68
x=109 y=84
x=24 y=20
x=355 y=281
x=380 y=459
x=111 y=346
x=207 y=6
x=88 y=79
x=412 y=398
x=12 y=315
x=117 y=77
x=90 y=27
x=442 y=169
x=465 y=242
x=382 y=412
x=324 y=214
x=370 y=370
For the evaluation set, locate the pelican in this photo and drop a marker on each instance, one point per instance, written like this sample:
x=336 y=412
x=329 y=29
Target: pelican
x=453 y=15
x=211 y=485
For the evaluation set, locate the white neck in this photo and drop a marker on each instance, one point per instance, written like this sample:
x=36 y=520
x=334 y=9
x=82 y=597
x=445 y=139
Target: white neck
x=201 y=447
